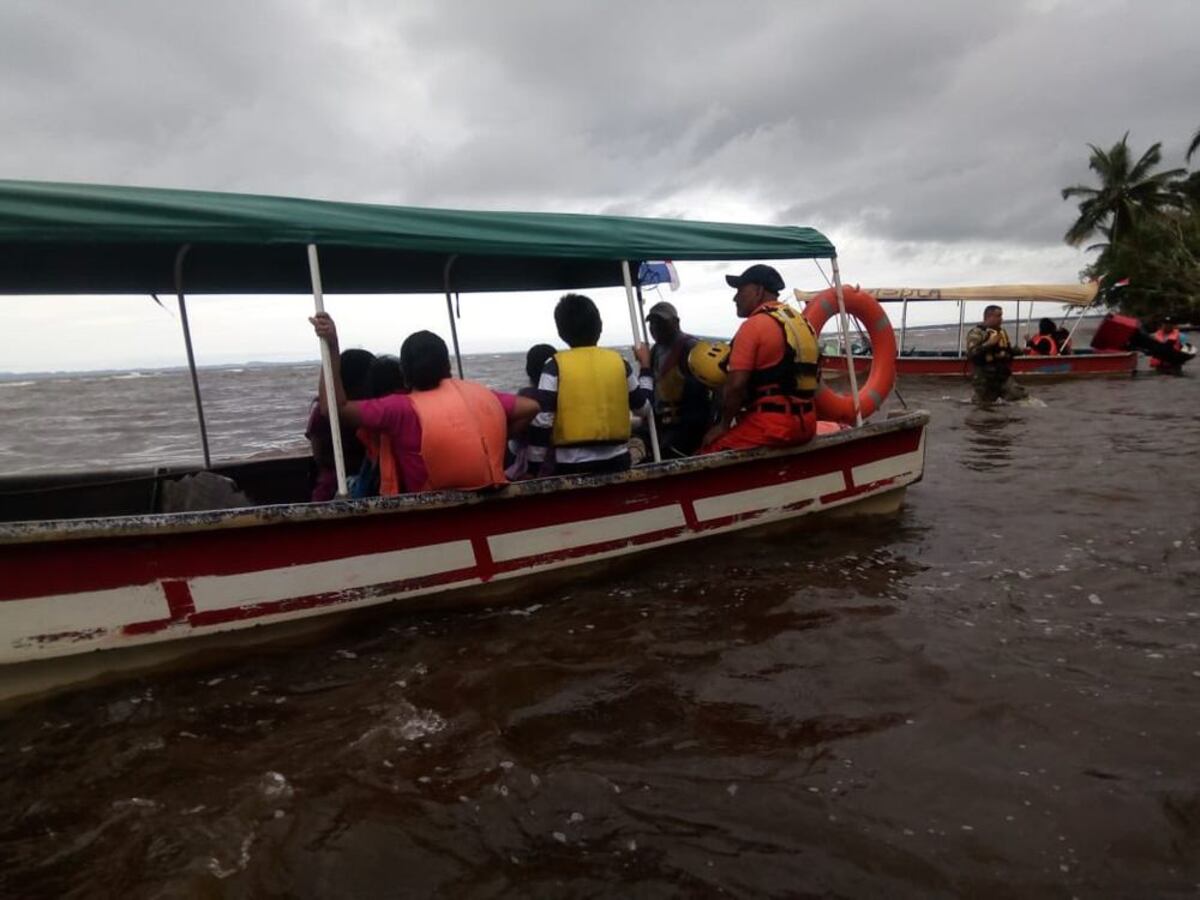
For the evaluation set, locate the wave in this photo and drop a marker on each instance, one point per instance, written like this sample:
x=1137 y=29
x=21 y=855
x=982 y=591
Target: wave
x=4 y=384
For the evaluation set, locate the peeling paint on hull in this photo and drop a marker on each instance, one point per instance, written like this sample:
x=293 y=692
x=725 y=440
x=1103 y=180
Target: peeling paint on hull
x=74 y=587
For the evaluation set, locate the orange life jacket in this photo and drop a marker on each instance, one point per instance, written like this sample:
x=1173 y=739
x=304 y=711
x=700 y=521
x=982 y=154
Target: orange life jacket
x=1044 y=345
x=379 y=451
x=463 y=435
x=1167 y=337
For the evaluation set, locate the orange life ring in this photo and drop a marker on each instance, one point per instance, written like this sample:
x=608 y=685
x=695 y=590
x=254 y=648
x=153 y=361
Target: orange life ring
x=840 y=407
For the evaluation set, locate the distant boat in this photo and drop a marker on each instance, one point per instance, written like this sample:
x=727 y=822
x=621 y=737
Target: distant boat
x=953 y=363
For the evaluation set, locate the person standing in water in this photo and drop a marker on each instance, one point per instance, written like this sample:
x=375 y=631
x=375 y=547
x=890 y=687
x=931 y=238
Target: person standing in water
x=1167 y=334
x=990 y=352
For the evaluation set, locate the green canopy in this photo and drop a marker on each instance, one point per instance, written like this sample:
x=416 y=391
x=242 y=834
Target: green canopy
x=98 y=239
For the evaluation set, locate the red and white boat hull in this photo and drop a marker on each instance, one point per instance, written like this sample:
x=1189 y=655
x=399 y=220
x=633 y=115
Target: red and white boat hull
x=71 y=587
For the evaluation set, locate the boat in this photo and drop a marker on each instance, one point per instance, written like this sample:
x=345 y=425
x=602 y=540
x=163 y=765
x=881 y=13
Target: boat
x=1119 y=332
x=953 y=363
x=96 y=578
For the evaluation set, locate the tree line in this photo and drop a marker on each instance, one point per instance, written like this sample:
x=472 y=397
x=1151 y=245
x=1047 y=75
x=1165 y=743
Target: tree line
x=1148 y=222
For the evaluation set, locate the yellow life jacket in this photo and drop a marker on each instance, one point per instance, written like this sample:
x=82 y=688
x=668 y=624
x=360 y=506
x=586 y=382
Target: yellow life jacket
x=593 y=397
x=669 y=383
x=798 y=373
x=1002 y=352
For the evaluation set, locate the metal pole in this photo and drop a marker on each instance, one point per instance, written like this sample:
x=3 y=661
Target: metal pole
x=1078 y=322
x=191 y=357
x=845 y=326
x=450 y=311
x=903 y=324
x=633 y=327
x=335 y=424
x=642 y=315
x=1029 y=323
x=962 y=312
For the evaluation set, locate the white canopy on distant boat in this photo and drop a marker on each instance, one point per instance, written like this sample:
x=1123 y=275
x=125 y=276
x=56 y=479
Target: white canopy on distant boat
x=1066 y=294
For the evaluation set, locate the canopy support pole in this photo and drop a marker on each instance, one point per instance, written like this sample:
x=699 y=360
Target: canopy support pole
x=1029 y=323
x=450 y=312
x=903 y=324
x=849 y=348
x=633 y=327
x=331 y=403
x=962 y=317
x=1078 y=322
x=191 y=357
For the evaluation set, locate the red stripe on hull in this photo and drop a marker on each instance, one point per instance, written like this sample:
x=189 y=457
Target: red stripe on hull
x=72 y=566
x=330 y=599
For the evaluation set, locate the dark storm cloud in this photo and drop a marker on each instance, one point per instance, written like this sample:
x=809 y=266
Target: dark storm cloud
x=921 y=122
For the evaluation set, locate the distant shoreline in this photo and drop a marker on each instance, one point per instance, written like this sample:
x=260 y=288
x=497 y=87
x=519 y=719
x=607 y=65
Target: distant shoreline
x=270 y=364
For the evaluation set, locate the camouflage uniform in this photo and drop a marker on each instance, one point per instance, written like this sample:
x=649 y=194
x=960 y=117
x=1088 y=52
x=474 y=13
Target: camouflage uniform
x=993 y=367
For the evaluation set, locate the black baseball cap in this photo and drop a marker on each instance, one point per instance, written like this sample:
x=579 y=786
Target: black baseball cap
x=768 y=277
x=663 y=310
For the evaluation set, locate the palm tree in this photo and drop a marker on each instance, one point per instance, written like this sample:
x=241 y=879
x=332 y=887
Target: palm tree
x=1126 y=191
x=1193 y=146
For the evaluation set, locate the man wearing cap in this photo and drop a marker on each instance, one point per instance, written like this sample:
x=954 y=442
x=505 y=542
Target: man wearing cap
x=760 y=406
x=682 y=405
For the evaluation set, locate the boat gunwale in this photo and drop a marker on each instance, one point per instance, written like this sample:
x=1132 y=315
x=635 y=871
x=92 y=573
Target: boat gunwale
x=1078 y=354
x=156 y=524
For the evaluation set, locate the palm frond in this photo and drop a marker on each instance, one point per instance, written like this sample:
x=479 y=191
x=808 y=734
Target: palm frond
x=1148 y=161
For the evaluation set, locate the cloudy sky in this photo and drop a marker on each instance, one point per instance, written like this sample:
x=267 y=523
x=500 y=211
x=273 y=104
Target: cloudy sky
x=929 y=140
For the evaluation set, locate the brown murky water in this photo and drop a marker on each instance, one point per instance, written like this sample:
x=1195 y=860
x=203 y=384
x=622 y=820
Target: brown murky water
x=996 y=693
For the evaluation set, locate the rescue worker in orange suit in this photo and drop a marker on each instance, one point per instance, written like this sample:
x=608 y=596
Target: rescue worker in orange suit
x=1170 y=335
x=446 y=433
x=682 y=405
x=1045 y=342
x=767 y=398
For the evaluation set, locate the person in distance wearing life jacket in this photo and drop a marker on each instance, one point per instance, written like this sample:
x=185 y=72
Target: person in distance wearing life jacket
x=1044 y=343
x=1167 y=334
x=682 y=405
x=773 y=370
x=587 y=394
x=444 y=434
x=990 y=352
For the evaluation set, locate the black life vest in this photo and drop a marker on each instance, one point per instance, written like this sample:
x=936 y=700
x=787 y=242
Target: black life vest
x=798 y=374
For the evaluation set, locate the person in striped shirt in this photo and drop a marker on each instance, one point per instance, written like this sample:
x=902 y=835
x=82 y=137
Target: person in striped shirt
x=587 y=394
